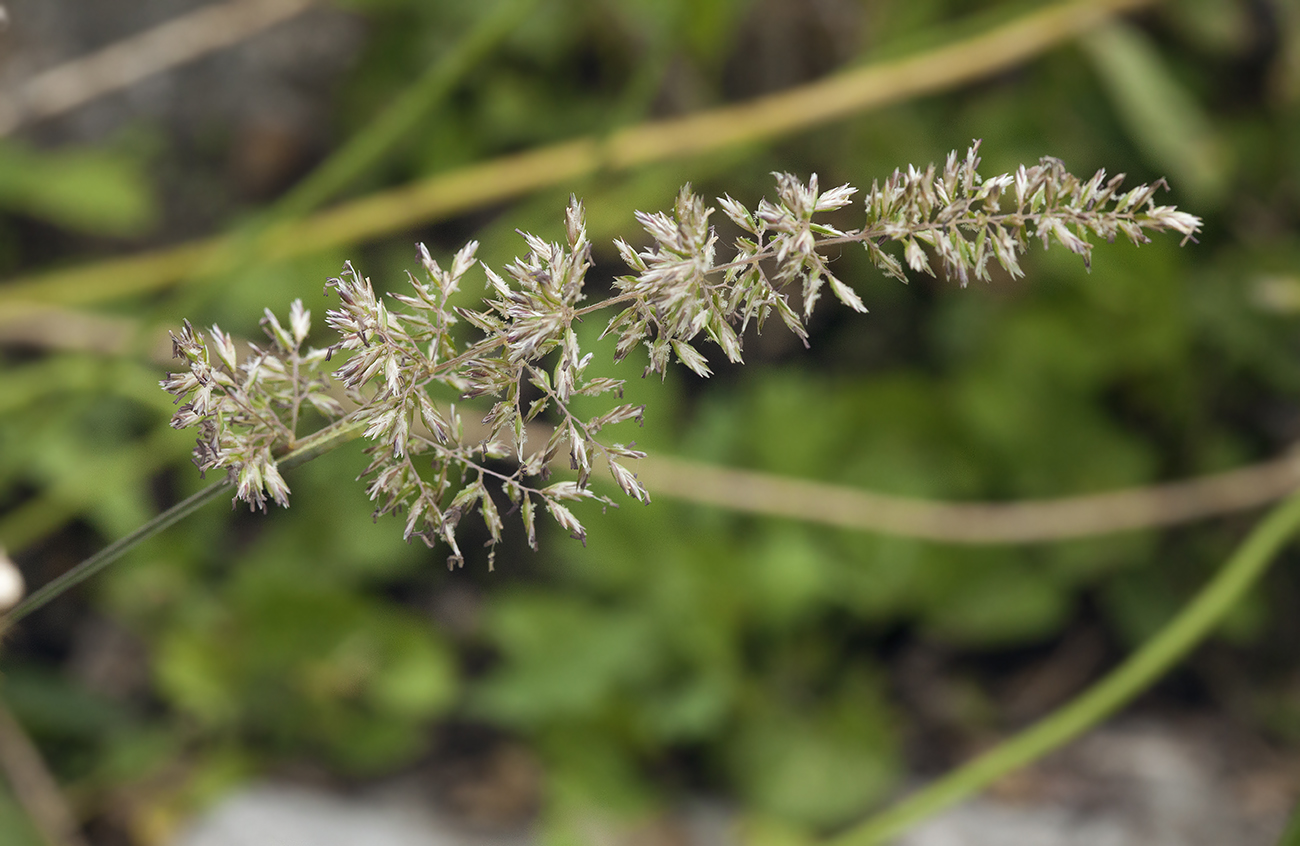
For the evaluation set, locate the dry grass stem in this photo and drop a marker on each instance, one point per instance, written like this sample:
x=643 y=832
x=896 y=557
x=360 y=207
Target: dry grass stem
x=34 y=786
x=176 y=42
x=1026 y=521
x=444 y=195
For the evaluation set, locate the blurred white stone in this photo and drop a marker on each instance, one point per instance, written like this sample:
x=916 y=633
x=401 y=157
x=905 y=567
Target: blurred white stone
x=298 y=816
x=1132 y=784
x=12 y=586
x=1138 y=783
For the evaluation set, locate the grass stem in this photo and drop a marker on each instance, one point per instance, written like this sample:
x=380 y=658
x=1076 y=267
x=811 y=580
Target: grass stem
x=1197 y=620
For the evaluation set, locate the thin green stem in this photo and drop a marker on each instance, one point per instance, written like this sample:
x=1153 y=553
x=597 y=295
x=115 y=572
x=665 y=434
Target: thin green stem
x=1291 y=836
x=322 y=441
x=305 y=450
x=109 y=554
x=1132 y=677
x=57 y=503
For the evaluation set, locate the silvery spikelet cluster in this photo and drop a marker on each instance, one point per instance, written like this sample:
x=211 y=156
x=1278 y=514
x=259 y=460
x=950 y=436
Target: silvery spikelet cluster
x=525 y=356
x=245 y=410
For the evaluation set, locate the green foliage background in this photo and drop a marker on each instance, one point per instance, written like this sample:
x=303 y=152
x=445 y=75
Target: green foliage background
x=689 y=648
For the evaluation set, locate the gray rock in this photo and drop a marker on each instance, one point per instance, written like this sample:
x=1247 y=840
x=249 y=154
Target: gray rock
x=284 y=815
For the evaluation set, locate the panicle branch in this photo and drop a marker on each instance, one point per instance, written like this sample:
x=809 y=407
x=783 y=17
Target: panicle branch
x=525 y=354
x=244 y=410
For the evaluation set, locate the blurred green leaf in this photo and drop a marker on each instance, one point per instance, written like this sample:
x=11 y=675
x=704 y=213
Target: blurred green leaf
x=296 y=662
x=1291 y=836
x=1161 y=115
x=987 y=602
x=788 y=573
x=1139 y=602
x=816 y=764
x=417 y=681
x=196 y=676
x=590 y=775
x=50 y=704
x=90 y=190
x=15 y=828
x=565 y=656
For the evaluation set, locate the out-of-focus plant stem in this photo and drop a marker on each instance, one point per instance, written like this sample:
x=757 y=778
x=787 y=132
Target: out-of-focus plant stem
x=446 y=194
x=1291 y=836
x=34 y=786
x=1197 y=620
x=183 y=39
x=369 y=146
x=979 y=523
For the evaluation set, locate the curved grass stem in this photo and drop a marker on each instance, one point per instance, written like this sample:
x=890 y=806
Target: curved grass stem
x=1135 y=675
